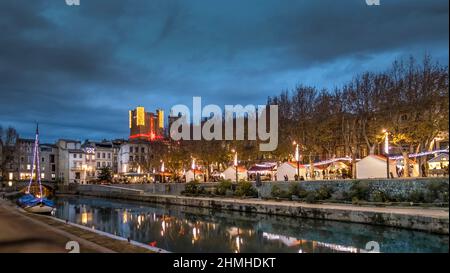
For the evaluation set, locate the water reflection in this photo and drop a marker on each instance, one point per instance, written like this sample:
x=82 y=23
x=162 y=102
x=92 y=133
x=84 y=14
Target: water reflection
x=185 y=229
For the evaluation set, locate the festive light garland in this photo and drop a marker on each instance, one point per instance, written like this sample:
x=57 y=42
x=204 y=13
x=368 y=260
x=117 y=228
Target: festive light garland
x=349 y=159
x=419 y=154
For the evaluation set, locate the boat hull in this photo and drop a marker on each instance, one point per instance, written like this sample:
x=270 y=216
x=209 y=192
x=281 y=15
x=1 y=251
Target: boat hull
x=41 y=209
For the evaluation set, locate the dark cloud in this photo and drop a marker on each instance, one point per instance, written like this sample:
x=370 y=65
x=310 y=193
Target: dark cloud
x=79 y=69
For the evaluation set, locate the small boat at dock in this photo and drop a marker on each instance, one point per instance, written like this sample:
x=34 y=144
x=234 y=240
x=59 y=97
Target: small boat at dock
x=33 y=200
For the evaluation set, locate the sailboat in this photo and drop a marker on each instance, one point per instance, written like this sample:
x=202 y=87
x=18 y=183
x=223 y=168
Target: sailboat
x=36 y=202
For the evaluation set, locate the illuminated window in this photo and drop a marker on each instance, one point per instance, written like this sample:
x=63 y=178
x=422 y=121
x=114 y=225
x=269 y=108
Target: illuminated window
x=140 y=116
x=28 y=167
x=130 y=118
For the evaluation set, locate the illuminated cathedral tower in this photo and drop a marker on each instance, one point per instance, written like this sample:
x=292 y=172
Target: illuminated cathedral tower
x=146 y=125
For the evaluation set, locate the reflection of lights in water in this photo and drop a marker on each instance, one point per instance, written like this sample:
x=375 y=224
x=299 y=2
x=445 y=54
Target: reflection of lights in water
x=290 y=241
x=301 y=251
x=86 y=217
x=163 y=225
x=338 y=247
x=195 y=233
x=125 y=217
x=239 y=242
x=154 y=217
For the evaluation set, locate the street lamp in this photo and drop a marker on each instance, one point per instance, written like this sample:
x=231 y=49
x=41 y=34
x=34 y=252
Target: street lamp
x=162 y=172
x=193 y=166
x=386 y=151
x=297 y=158
x=235 y=163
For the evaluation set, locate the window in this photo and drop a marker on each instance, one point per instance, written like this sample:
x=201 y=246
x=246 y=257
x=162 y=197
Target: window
x=131 y=149
x=109 y=155
x=52 y=158
x=136 y=149
x=98 y=155
x=42 y=175
x=103 y=155
x=77 y=175
x=53 y=176
x=142 y=150
x=53 y=168
x=98 y=164
x=103 y=164
x=131 y=158
x=43 y=159
x=28 y=167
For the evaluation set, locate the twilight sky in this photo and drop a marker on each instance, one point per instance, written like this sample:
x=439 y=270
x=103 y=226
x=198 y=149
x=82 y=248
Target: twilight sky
x=77 y=70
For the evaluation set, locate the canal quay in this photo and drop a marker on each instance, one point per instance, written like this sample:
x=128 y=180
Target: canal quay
x=121 y=219
x=22 y=232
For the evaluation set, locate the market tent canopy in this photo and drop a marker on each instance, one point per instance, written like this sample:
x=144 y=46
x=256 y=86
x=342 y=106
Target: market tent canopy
x=374 y=166
x=198 y=175
x=230 y=173
x=289 y=169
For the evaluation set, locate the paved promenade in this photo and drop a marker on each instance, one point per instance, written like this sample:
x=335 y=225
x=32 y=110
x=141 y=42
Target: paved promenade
x=22 y=232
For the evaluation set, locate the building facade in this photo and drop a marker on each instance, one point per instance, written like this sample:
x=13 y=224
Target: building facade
x=49 y=162
x=68 y=160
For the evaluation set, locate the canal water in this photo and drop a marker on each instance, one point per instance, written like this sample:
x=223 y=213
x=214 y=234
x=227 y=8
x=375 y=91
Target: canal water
x=187 y=229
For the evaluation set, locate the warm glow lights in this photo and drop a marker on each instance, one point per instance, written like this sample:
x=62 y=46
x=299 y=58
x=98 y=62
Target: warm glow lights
x=160 y=113
x=130 y=116
x=386 y=142
x=140 y=116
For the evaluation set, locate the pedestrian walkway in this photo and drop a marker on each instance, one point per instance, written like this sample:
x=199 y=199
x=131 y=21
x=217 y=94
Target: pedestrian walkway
x=21 y=232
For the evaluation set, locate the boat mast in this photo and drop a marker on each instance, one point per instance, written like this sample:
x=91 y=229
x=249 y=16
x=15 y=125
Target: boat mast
x=36 y=162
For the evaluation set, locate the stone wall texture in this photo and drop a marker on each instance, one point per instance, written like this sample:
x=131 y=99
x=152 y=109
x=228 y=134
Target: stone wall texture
x=392 y=187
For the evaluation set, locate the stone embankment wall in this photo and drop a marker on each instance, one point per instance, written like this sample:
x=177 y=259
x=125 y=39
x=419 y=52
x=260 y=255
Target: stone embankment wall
x=393 y=187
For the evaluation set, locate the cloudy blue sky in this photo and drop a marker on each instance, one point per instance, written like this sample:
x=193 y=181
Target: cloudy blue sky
x=77 y=70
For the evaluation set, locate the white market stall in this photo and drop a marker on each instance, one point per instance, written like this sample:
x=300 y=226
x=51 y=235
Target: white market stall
x=199 y=175
x=230 y=173
x=289 y=169
x=374 y=166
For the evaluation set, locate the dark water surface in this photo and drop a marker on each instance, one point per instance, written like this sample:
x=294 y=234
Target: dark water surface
x=187 y=229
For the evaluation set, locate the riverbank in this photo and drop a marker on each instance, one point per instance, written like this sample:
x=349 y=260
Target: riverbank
x=434 y=220
x=22 y=232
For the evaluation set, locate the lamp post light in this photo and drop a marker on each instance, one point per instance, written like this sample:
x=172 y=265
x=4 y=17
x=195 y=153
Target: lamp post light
x=235 y=163
x=163 y=179
x=193 y=166
x=297 y=158
x=386 y=151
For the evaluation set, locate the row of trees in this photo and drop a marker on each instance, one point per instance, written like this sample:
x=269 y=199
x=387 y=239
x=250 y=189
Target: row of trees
x=8 y=148
x=410 y=100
